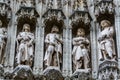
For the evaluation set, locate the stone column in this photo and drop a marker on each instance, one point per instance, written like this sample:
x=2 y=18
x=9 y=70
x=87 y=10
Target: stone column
x=39 y=43
x=37 y=57
x=117 y=30
x=11 y=40
x=94 y=52
x=67 y=49
x=67 y=45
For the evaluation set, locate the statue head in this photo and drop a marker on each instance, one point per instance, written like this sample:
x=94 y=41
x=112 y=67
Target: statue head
x=80 y=32
x=55 y=29
x=0 y=23
x=105 y=23
x=26 y=28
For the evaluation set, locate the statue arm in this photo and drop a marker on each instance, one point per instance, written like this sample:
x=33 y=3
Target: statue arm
x=47 y=39
x=60 y=39
x=19 y=37
x=75 y=42
x=31 y=39
x=87 y=41
x=111 y=30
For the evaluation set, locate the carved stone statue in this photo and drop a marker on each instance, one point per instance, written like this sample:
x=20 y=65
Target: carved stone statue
x=53 y=52
x=79 y=5
x=81 y=50
x=3 y=37
x=25 y=46
x=107 y=46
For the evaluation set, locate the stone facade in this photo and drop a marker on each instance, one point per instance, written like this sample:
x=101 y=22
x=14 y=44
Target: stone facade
x=59 y=39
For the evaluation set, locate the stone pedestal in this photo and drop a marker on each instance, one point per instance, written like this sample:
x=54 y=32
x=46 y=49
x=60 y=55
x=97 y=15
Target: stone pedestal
x=82 y=74
x=108 y=70
x=21 y=72
x=53 y=73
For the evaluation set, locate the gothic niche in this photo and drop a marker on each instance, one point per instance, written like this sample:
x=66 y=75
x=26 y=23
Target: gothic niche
x=80 y=22
x=25 y=47
x=81 y=50
x=108 y=56
x=104 y=8
x=106 y=39
x=53 y=53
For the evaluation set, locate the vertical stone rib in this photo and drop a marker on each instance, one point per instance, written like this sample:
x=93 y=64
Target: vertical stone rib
x=117 y=30
x=94 y=53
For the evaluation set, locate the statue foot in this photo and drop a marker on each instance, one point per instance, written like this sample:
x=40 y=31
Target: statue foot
x=101 y=59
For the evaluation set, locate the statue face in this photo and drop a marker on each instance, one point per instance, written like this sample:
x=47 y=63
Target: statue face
x=80 y=32
x=55 y=29
x=105 y=23
x=26 y=27
x=0 y=23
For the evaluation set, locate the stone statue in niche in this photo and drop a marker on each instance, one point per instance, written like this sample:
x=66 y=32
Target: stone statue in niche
x=25 y=47
x=106 y=41
x=81 y=50
x=53 y=52
x=3 y=37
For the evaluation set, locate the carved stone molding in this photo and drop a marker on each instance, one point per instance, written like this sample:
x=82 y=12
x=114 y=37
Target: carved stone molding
x=81 y=74
x=80 y=16
x=29 y=12
x=108 y=70
x=54 y=12
x=104 y=6
x=53 y=17
x=5 y=10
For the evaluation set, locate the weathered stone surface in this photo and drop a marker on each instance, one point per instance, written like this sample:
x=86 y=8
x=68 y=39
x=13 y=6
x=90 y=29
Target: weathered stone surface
x=21 y=72
x=1 y=71
x=53 y=73
x=83 y=74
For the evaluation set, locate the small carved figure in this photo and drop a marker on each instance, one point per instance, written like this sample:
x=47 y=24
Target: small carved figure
x=79 y=5
x=25 y=47
x=81 y=50
x=3 y=37
x=106 y=41
x=53 y=52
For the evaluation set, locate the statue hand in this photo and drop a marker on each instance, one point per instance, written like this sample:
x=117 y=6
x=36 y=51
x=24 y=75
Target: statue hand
x=29 y=44
x=19 y=38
